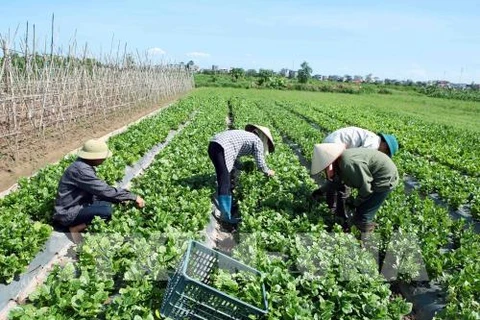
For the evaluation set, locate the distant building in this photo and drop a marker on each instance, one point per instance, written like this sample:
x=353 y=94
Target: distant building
x=334 y=78
x=292 y=74
x=284 y=72
x=214 y=68
x=224 y=70
x=442 y=83
x=357 y=79
x=474 y=86
x=459 y=86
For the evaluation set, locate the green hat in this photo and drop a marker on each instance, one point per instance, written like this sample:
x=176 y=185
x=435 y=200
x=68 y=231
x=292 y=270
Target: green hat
x=391 y=142
x=94 y=149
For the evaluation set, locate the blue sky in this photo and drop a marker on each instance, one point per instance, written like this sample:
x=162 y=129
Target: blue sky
x=408 y=39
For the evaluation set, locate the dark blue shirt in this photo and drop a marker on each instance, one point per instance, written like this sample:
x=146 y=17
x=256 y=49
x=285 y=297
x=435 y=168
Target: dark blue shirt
x=78 y=188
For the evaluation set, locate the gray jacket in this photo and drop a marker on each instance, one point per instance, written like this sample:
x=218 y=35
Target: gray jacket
x=80 y=187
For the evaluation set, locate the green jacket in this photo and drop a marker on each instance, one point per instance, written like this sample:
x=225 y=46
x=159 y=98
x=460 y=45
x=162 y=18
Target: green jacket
x=368 y=171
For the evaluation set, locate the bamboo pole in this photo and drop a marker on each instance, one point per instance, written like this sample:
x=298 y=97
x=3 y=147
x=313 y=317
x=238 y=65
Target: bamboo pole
x=62 y=89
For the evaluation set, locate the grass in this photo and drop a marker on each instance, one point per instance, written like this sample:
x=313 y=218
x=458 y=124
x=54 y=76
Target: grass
x=464 y=115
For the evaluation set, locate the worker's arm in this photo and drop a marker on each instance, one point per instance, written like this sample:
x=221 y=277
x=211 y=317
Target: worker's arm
x=358 y=175
x=88 y=181
x=258 y=154
x=327 y=186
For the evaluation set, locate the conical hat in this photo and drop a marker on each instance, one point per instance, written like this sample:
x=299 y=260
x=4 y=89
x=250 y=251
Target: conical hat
x=265 y=131
x=324 y=154
x=94 y=149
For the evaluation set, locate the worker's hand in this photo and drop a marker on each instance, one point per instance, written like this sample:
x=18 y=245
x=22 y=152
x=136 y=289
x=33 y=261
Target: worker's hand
x=140 y=202
x=270 y=173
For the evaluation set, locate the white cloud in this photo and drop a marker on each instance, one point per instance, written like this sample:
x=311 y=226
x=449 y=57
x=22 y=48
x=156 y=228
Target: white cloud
x=156 y=52
x=196 y=54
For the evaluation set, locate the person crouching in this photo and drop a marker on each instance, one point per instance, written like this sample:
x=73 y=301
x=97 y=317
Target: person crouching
x=370 y=171
x=81 y=195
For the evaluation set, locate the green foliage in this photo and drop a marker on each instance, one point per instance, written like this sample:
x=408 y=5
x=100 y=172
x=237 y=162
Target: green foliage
x=449 y=93
x=251 y=73
x=242 y=285
x=304 y=73
x=237 y=73
x=38 y=62
x=308 y=272
x=267 y=79
x=34 y=200
x=265 y=76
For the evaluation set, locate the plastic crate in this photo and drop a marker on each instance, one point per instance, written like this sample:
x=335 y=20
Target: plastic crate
x=190 y=296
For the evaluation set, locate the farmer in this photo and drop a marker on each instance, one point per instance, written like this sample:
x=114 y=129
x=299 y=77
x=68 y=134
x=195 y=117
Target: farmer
x=354 y=137
x=226 y=148
x=372 y=172
x=82 y=195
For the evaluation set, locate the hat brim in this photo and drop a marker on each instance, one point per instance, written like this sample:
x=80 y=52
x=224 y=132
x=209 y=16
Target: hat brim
x=324 y=154
x=271 y=145
x=94 y=155
x=389 y=144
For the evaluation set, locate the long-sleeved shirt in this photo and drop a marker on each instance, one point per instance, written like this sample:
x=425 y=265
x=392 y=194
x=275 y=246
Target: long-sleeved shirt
x=78 y=187
x=237 y=143
x=367 y=170
x=354 y=137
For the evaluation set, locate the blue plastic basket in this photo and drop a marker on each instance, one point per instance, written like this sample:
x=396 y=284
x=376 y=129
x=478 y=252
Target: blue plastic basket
x=190 y=296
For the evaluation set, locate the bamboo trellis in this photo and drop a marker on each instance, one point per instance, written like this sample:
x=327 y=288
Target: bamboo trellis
x=47 y=99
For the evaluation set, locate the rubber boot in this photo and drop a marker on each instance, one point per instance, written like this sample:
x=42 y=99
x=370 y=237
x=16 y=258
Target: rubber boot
x=366 y=235
x=368 y=227
x=225 y=206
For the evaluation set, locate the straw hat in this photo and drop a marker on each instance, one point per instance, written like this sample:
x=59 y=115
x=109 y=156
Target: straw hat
x=324 y=154
x=94 y=149
x=265 y=131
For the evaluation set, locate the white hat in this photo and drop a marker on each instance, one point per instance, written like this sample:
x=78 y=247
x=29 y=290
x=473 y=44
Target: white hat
x=94 y=149
x=265 y=131
x=324 y=154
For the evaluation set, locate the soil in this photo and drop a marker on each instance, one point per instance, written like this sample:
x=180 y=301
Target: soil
x=52 y=148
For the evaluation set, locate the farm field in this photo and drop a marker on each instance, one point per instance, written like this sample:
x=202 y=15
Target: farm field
x=313 y=270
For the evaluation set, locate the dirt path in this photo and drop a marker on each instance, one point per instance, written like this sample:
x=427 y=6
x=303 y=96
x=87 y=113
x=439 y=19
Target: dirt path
x=44 y=151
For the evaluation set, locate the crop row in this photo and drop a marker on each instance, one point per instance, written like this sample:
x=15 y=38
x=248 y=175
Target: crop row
x=452 y=184
x=309 y=272
x=121 y=266
x=405 y=222
x=26 y=212
x=444 y=160
x=118 y=268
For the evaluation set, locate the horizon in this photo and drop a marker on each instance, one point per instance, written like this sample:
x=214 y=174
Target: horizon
x=428 y=41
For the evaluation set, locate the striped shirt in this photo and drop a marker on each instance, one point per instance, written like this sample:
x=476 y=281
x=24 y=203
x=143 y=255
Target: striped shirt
x=237 y=143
